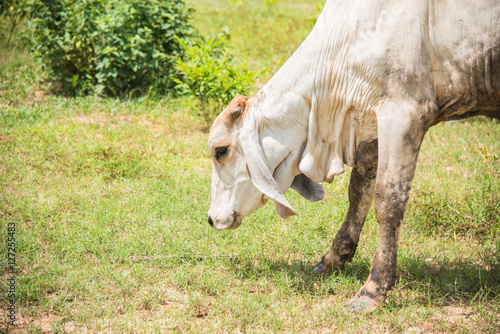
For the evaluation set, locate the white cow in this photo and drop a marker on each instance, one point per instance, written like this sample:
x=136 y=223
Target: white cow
x=362 y=90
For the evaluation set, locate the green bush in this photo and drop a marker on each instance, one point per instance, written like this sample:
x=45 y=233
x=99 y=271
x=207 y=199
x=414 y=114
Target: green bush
x=209 y=72
x=111 y=47
x=13 y=12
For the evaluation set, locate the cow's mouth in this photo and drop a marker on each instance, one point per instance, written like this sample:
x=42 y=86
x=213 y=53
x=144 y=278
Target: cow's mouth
x=236 y=221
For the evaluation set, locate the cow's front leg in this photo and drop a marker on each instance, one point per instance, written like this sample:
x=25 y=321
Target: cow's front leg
x=400 y=137
x=361 y=186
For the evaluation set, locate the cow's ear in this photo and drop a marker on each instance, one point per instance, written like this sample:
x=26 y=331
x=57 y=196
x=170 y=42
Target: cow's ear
x=237 y=107
x=235 y=112
x=307 y=188
x=260 y=174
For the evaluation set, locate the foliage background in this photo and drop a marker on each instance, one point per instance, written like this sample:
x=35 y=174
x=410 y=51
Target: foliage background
x=110 y=47
x=209 y=72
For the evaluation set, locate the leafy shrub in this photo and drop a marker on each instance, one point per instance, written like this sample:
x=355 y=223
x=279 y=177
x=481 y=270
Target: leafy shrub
x=14 y=11
x=110 y=47
x=209 y=72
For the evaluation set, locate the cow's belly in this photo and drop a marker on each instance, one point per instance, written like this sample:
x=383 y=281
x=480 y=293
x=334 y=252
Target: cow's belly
x=459 y=89
x=465 y=56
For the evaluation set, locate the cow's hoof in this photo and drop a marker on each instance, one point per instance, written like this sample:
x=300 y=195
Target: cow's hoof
x=362 y=304
x=320 y=268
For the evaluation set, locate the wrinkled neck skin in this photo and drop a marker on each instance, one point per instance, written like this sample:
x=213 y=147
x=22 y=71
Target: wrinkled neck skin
x=310 y=118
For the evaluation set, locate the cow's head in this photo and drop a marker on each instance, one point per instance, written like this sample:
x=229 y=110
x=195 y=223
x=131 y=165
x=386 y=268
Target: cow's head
x=249 y=169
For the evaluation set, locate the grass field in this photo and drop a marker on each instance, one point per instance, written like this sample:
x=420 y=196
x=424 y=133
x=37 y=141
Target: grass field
x=108 y=199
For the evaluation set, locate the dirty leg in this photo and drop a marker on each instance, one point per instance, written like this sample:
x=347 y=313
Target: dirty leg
x=401 y=129
x=361 y=188
x=390 y=205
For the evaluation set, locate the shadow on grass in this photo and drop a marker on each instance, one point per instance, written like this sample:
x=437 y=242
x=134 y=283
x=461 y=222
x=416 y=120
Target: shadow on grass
x=461 y=280
x=426 y=277
x=297 y=275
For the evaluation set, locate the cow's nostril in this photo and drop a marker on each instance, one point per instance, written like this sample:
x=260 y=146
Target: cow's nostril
x=210 y=221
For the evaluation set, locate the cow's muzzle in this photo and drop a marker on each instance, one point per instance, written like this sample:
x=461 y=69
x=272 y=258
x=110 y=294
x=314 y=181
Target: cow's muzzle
x=229 y=223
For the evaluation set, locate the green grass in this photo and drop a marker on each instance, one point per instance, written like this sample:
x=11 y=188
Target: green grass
x=109 y=198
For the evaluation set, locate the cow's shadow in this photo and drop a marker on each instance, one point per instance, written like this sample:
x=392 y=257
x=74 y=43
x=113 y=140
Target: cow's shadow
x=460 y=280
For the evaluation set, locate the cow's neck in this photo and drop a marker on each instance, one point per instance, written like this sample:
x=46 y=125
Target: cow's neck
x=314 y=102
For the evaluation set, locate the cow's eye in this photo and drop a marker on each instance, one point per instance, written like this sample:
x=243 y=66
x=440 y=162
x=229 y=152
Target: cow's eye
x=220 y=152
